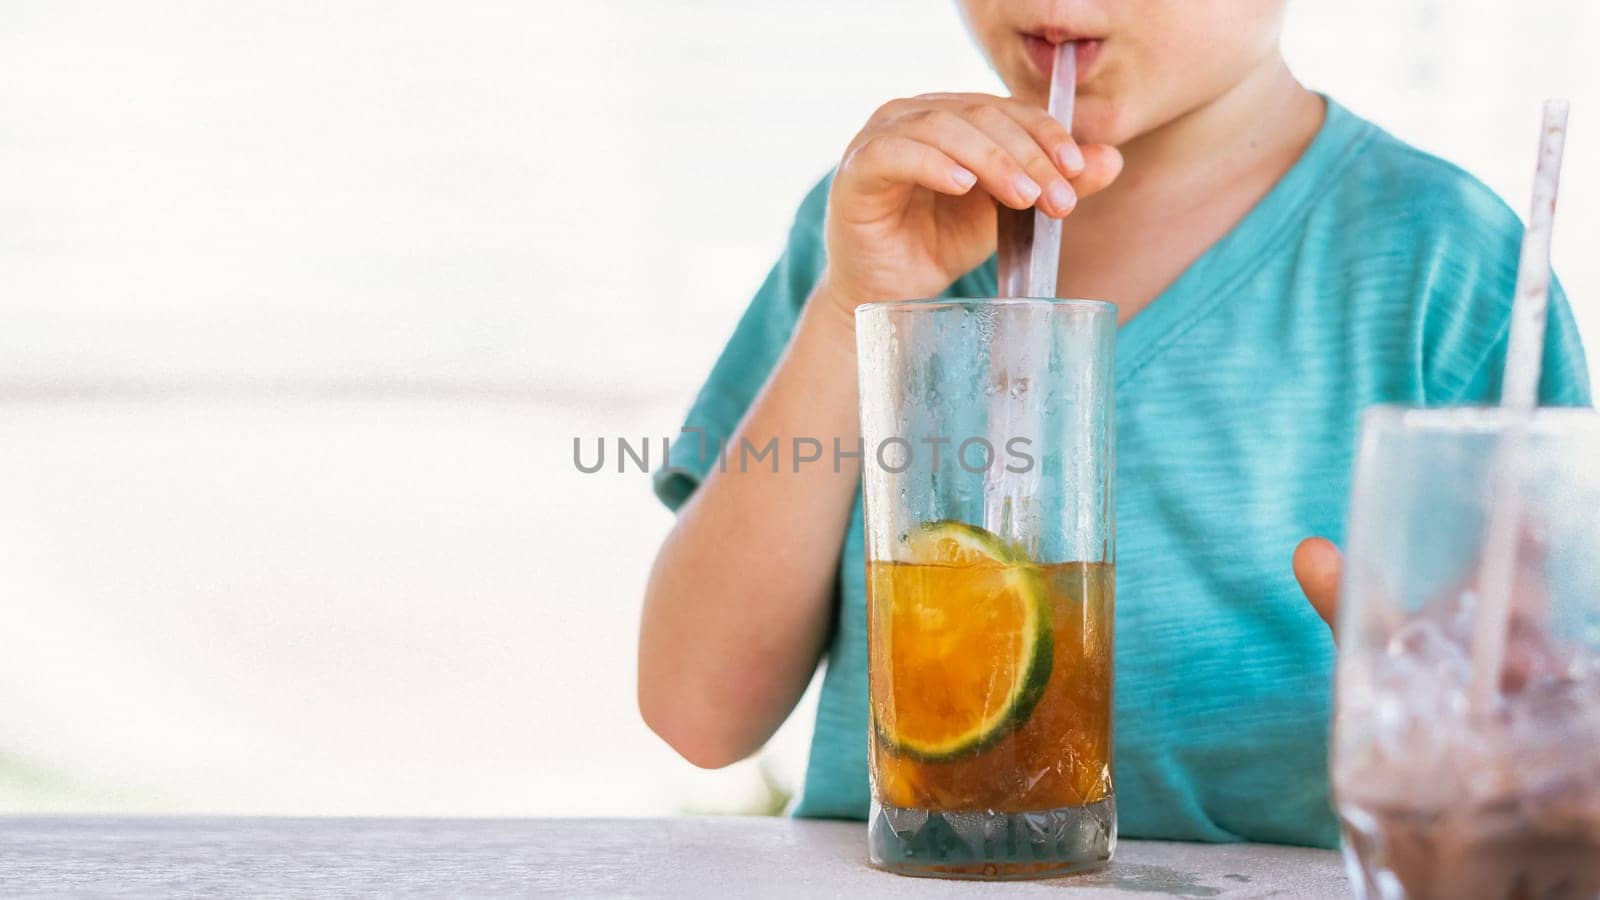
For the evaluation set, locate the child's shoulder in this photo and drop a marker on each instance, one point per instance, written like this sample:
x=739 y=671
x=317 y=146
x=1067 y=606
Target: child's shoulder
x=1401 y=196
x=1417 y=239
x=813 y=211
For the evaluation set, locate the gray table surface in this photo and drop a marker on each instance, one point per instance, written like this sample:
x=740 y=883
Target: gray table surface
x=698 y=857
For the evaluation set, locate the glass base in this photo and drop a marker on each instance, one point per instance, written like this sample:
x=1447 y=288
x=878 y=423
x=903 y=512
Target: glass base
x=993 y=846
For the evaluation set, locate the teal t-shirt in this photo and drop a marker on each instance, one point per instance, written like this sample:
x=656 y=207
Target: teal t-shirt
x=1371 y=273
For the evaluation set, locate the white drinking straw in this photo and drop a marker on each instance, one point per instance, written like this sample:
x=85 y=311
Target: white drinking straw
x=1029 y=253
x=1519 y=395
x=1045 y=257
x=1029 y=241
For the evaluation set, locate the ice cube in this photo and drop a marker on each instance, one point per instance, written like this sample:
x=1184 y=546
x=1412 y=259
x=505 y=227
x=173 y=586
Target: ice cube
x=905 y=823
x=974 y=829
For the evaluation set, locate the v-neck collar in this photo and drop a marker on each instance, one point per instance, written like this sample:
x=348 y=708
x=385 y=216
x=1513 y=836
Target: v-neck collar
x=1224 y=265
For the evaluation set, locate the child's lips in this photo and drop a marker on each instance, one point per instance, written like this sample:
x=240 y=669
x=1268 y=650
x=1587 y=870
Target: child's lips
x=1042 y=52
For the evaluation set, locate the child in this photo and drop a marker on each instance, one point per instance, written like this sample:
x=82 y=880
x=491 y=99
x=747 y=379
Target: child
x=1278 y=264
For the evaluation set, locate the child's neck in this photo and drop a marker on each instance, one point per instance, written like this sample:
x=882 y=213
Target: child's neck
x=1185 y=185
x=1267 y=115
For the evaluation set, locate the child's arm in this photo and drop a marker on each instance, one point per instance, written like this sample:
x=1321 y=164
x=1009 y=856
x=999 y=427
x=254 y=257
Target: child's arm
x=740 y=598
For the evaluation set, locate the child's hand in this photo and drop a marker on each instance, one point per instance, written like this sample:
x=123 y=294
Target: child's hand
x=904 y=220
x=1316 y=567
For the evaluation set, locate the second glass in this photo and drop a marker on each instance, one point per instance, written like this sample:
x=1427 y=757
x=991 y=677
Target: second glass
x=988 y=489
x=1464 y=760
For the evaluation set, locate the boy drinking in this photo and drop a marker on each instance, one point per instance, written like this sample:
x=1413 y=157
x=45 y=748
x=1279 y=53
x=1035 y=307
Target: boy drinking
x=1278 y=265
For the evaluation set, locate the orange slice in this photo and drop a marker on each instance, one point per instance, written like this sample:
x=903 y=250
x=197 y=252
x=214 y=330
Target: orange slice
x=961 y=645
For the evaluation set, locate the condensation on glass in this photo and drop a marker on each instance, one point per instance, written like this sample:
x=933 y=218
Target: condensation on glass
x=988 y=485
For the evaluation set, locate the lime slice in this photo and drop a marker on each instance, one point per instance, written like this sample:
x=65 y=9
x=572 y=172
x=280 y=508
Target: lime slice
x=952 y=543
x=962 y=644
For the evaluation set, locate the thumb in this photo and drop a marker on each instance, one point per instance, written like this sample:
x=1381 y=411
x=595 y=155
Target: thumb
x=1102 y=163
x=1316 y=567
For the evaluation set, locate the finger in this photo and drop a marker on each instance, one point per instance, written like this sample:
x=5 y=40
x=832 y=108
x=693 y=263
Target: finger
x=1049 y=133
x=999 y=173
x=1057 y=197
x=890 y=159
x=1045 y=129
x=1316 y=567
x=1102 y=164
x=892 y=110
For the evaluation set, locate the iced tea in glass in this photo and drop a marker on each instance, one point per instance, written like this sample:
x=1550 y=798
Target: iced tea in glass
x=990 y=583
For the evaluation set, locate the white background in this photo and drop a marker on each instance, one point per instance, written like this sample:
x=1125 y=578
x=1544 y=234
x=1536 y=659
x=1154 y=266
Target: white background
x=302 y=303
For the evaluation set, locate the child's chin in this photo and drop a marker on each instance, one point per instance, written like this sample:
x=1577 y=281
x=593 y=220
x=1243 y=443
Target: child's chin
x=1096 y=121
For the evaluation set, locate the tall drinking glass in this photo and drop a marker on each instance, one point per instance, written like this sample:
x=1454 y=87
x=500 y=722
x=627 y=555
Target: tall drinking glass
x=1447 y=787
x=988 y=475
